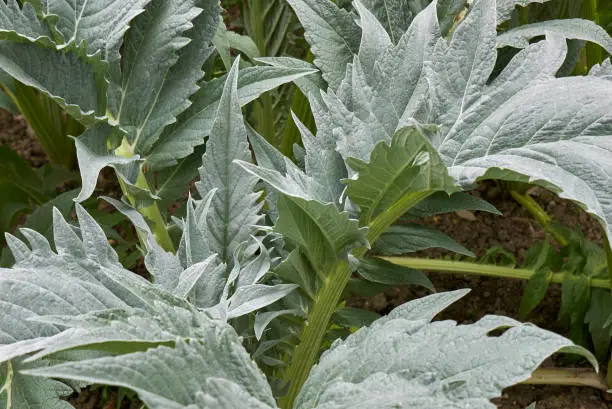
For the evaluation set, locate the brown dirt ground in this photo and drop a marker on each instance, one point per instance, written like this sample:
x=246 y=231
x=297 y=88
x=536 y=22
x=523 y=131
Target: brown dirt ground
x=15 y=133
x=516 y=231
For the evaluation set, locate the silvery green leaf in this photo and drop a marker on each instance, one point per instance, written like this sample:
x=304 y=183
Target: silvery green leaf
x=374 y=38
x=234 y=210
x=21 y=22
x=357 y=110
x=83 y=275
x=431 y=364
x=162 y=63
x=194 y=245
x=458 y=86
x=332 y=34
x=197 y=375
x=179 y=139
x=99 y=24
x=403 y=64
x=365 y=112
x=165 y=267
x=402 y=239
x=253 y=297
x=535 y=64
x=294 y=182
x=492 y=131
x=255 y=269
x=227 y=395
x=575 y=28
x=395 y=15
x=73 y=80
x=113 y=330
x=566 y=157
x=190 y=277
x=193 y=273
x=323 y=164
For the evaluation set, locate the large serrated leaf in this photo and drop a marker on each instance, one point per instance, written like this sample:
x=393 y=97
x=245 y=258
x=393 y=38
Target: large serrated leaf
x=369 y=107
x=332 y=33
x=515 y=128
x=83 y=275
x=462 y=64
x=405 y=361
x=71 y=79
x=234 y=208
x=18 y=23
x=374 y=39
x=199 y=375
x=113 y=330
x=568 y=157
x=154 y=87
x=100 y=24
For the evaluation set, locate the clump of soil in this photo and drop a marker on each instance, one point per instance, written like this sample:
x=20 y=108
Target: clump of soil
x=15 y=133
x=94 y=399
x=551 y=397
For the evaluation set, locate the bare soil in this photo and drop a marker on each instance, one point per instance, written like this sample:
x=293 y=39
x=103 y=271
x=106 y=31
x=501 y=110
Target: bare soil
x=515 y=231
x=15 y=133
